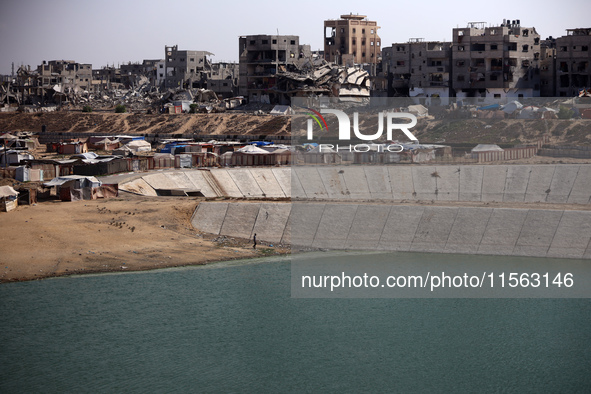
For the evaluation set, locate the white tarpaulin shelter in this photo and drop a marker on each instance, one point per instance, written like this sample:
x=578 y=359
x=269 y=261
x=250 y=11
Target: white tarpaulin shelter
x=7 y=191
x=252 y=149
x=512 y=107
x=139 y=146
x=487 y=148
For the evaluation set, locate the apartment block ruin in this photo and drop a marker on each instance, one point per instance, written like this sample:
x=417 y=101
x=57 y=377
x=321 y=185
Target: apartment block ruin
x=261 y=58
x=418 y=68
x=352 y=40
x=186 y=69
x=496 y=62
x=66 y=72
x=572 y=62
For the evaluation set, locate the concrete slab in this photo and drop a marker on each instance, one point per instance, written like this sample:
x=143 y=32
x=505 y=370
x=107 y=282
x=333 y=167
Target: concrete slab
x=286 y=237
x=581 y=190
x=502 y=231
x=199 y=181
x=180 y=179
x=425 y=183
x=471 y=183
x=434 y=229
x=334 y=226
x=562 y=183
x=468 y=229
x=367 y=227
x=356 y=182
x=448 y=183
x=265 y=179
x=209 y=217
x=538 y=186
x=516 y=183
x=160 y=181
x=401 y=183
x=240 y=220
x=283 y=177
x=572 y=235
x=271 y=221
x=245 y=182
x=304 y=220
x=310 y=181
x=537 y=233
x=493 y=183
x=587 y=254
x=226 y=183
x=138 y=186
x=334 y=183
x=400 y=227
x=378 y=182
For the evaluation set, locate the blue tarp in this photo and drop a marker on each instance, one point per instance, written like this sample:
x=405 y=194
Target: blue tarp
x=261 y=143
x=489 y=107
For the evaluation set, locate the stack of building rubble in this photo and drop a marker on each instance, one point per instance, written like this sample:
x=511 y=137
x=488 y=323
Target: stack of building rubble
x=324 y=79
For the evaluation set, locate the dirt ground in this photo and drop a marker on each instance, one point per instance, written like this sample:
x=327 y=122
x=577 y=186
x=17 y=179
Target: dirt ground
x=130 y=233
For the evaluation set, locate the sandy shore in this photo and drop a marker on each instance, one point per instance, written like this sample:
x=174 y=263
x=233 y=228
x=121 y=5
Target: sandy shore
x=128 y=233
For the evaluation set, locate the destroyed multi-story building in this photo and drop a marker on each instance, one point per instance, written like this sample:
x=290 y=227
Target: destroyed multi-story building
x=352 y=40
x=418 y=68
x=223 y=79
x=548 y=67
x=106 y=78
x=186 y=69
x=130 y=72
x=497 y=62
x=261 y=57
x=66 y=72
x=572 y=62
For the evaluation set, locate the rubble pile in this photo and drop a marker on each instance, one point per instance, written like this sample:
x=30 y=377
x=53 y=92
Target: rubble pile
x=324 y=79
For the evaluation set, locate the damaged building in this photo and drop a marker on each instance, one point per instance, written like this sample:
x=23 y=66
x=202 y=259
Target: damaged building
x=496 y=62
x=351 y=40
x=261 y=58
x=186 y=69
x=572 y=62
x=418 y=68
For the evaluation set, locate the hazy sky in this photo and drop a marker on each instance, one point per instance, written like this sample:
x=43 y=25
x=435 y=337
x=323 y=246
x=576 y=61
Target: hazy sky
x=113 y=32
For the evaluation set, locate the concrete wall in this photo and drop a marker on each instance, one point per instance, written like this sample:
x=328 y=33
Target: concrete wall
x=560 y=183
x=475 y=230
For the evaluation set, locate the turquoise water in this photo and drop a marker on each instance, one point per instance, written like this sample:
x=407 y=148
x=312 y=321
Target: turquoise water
x=235 y=328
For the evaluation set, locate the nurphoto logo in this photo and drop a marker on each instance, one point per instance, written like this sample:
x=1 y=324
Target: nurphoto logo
x=344 y=129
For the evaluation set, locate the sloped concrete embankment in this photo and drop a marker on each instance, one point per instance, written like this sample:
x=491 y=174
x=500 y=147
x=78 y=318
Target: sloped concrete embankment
x=363 y=225
x=501 y=183
x=472 y=230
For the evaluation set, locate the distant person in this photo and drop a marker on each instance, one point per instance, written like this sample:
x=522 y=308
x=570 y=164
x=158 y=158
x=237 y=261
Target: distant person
x=254 y=241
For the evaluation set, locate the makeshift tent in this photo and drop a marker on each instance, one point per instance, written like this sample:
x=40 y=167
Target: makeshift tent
x=139 y=146
x=486 y=148
x=8 y=198
x=512 y=107
x=281 y=110
x=75 y=187
x=253 y=150
x=418 y=110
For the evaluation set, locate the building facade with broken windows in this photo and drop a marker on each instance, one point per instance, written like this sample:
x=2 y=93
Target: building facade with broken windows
x=548 y=67
x=185 y=69
x=418 y=68
x=496 y=62
x=352 y=40
x=66 y=72
x=261 y=58
x=572 y=62
x=223 y=79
